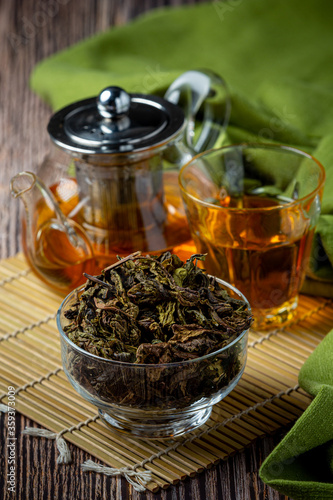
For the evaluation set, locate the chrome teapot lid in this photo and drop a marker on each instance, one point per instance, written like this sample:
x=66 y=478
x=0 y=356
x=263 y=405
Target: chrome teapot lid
x=115 y=122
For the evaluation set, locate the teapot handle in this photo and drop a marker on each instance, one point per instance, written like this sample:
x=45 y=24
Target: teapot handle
x=202 y=89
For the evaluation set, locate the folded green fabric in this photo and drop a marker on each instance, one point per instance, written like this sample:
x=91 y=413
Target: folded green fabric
x=301 y=466
x=275 y=57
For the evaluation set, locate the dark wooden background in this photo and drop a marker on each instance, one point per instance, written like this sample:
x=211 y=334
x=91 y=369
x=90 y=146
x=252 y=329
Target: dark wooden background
x=31 y=30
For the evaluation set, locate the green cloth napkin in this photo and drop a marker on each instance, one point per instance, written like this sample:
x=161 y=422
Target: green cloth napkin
x=275 y=56
x=301 y=466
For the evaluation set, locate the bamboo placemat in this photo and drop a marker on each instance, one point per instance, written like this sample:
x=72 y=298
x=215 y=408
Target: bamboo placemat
x=267 y=397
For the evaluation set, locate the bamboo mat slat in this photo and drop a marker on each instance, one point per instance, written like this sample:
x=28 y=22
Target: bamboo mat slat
x=266 y=398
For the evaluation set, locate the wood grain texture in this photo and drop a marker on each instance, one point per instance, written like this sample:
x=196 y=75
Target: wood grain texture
x=30 y=31
x=40 y=477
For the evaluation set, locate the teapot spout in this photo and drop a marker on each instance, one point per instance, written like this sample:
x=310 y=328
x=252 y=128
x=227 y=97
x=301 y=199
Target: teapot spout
x=22 y=183
x=56 y=247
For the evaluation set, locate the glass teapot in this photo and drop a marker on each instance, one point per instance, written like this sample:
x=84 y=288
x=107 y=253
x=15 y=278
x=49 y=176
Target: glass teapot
x=110 y=186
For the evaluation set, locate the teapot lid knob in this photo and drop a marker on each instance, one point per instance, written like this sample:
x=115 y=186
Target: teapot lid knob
x=113 y=102
x=115 y=121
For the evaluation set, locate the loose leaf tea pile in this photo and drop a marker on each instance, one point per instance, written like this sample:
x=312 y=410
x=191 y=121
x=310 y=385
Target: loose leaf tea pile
x=158 y=311
x=155 y=310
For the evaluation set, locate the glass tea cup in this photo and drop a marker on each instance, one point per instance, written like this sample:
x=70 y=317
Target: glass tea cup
x=253 y=208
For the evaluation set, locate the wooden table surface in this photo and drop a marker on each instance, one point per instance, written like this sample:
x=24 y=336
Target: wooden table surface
x=31 y=30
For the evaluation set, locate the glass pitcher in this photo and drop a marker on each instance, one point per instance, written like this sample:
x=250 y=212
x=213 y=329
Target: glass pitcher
x=110 y=186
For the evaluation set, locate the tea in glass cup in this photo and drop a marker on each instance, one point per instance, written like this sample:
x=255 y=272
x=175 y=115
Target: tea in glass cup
x=253 y=208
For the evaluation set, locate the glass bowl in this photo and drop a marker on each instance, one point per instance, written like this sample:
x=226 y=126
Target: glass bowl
x=153 y=400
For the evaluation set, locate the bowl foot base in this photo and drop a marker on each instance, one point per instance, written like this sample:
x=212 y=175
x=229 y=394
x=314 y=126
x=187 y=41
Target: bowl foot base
x=156 y=428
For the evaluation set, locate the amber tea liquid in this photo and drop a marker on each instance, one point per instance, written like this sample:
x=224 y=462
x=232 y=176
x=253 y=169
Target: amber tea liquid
x=56 y=261
x=262 y=253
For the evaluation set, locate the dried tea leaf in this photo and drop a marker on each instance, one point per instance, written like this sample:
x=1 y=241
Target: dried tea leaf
x=156 y=310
